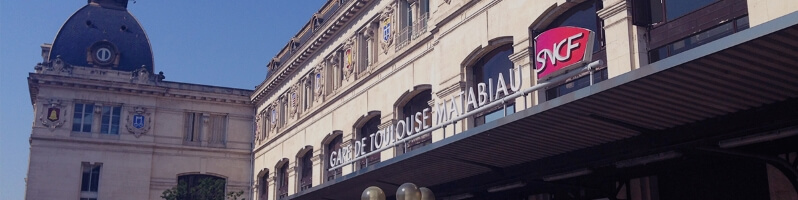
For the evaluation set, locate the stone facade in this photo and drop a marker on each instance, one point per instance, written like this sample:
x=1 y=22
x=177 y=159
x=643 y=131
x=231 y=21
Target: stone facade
x=137 y=163
x=447 y=39
x=357 y=61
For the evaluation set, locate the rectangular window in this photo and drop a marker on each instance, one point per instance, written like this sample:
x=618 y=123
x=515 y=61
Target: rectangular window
x=217 y=129
x=90 y=180
x=83 y=117
x=110 y=120
x=698 y=39
x=193 y=127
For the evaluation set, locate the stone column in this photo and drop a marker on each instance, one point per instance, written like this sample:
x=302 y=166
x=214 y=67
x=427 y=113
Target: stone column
x=96 y=121
x=522 y=64
x=272 y=186
x=204 y=136
x=369 y=48
x=450 y=90
x=345 y=143
x=293 y=181
x=318 y=168
x=625 y=42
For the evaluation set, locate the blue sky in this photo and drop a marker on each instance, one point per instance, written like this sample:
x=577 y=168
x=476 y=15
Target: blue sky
x=204 y=42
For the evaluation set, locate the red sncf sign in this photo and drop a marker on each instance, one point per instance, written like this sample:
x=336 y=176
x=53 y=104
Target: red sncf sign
x=562 y=48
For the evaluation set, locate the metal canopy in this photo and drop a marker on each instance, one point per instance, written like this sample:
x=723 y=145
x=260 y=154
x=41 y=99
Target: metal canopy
x=746 y=70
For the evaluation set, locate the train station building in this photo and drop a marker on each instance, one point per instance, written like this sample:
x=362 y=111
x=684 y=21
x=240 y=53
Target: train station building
x=472 y=99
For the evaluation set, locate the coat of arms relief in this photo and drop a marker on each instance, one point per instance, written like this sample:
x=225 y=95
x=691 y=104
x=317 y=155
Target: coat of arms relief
x=139 y=121
x=53 y=114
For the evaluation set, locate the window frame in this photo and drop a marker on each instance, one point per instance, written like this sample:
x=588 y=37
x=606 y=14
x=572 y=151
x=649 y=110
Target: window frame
x=305 y=178
x=263 y=189
x=94 y=180
x=363 y=132
x=599 y=51
x=282 y=181
x=403 y=110
x=87 y=111
x=192 y=133
x=108 y=128
x=331 y=146
x=477 y=74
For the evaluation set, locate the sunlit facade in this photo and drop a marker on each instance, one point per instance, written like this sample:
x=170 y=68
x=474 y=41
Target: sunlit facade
x=379 y=93
x=472 y=99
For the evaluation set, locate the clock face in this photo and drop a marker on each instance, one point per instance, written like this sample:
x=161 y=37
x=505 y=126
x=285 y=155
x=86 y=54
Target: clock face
x=103 y=53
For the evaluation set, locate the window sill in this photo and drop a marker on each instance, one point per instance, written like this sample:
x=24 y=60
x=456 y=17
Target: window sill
x=94 y=135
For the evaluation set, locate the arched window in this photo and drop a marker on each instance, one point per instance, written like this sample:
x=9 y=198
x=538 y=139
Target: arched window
x=306 y=170
x=263 y=186
x=212 y=186
x=583 y=16
x=282 y=181
x=417 y=105
x=488 y=68
x=333 y=145
x=371 y=126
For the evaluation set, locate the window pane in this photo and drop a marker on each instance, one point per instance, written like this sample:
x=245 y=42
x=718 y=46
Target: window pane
x=656 y=11
x=499 y=113
x=658 y=54
x=583 y=16
x=95 y=178
x=677 y=8
x=114 y=129
x=742 y=23
x=84 y=186
x=88 y=116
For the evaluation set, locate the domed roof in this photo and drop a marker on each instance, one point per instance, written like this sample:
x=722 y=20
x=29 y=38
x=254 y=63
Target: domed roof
x=103 y=34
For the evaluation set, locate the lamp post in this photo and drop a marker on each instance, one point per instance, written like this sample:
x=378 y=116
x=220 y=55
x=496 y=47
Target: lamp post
x=372 y=193
x=407 y=191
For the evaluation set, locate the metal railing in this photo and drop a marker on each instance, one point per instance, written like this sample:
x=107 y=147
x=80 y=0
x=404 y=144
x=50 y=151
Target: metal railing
x=410 y=33
x=498 y=102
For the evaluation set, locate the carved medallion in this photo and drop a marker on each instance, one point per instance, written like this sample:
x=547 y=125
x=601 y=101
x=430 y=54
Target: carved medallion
x=53 y=114
x=139 y=121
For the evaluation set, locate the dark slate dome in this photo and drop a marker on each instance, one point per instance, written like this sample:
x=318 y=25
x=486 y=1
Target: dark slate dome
x=103 y=34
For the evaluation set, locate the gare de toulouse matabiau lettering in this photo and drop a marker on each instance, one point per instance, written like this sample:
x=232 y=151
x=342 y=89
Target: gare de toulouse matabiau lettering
x=565 y=43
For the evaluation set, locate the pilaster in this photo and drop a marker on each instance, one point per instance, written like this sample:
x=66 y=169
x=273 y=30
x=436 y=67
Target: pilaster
x=292 y=177
x=272 y=186
x=96 y=117
x=317 y=160
x=625 y=42
x=522 y=63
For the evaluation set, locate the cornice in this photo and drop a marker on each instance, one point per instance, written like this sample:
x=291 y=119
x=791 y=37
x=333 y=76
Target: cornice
x=611 y=9
x=183 y=91
x=306 y=50
x=154 y=146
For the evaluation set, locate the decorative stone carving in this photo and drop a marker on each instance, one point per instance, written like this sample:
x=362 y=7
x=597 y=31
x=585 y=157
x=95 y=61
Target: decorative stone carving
x=349 y=58
x=273 y=117
x=139 y=121
x=293 y=101
x=259 y=127
x=141 y=76
x=318 y=82
x=53 y=114
x=387 y=28
x=57 y=66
